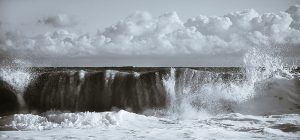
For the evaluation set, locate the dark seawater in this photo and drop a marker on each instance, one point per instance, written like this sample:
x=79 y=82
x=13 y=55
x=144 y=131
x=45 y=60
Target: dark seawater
x=247 y=100
x=135 y=89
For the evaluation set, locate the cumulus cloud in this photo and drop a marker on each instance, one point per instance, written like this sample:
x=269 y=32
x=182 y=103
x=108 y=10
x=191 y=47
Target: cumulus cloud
x=294 y=11
x=166 y=35
x=61 y=20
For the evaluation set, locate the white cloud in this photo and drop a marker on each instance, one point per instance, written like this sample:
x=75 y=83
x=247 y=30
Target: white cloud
x=166 y=35
x=294 y=11
x=61 y=20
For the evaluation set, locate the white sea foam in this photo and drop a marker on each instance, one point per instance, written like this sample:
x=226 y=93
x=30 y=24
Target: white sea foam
x=81 y=120
x=125 y=125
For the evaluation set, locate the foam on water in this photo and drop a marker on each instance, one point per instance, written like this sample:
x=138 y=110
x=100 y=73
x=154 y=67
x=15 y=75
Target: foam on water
x=52 y=120
x=122 y=124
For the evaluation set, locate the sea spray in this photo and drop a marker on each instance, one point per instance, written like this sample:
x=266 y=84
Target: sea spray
x=270 y=83
x=18 y=75
x=169 y=84
x=264 y=81
x=18 y=78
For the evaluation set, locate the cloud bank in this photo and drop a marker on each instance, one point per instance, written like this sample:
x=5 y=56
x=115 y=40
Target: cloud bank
x=167 y=35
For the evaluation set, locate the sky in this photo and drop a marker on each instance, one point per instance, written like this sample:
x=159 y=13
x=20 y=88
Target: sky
x=98 y=14
x=146 y=32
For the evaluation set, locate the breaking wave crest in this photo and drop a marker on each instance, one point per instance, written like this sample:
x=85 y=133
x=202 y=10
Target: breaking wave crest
x=264 y=86
x=263 y=93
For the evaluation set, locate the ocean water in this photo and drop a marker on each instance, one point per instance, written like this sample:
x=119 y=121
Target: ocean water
x=260 y=100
